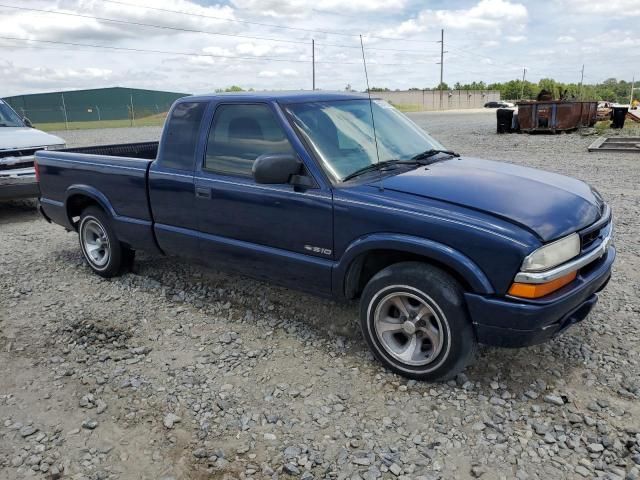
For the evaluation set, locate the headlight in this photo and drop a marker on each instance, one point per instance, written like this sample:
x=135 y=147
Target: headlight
x=56 y=147
x=552 y=254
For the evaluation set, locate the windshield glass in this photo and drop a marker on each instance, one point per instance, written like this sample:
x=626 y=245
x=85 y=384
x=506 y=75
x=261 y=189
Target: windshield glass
x=341 y=132
x=9 y=118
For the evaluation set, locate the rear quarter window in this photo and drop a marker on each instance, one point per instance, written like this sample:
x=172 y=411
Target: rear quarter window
x=180 y=141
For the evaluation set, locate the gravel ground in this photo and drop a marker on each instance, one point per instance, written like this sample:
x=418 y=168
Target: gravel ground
x=175 y=371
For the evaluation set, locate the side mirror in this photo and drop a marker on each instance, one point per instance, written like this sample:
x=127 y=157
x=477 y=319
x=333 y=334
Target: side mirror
x=275 y=168
x=27 y=122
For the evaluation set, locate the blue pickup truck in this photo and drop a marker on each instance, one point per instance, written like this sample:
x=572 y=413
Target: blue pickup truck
x=443 y=251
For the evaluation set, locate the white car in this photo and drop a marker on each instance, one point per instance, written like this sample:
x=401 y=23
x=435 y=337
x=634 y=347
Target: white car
x=18 y=143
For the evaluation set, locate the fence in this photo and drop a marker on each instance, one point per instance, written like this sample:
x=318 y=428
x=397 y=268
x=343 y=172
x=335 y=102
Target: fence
x=430 y=99
x=115 y=106
x=63 y=116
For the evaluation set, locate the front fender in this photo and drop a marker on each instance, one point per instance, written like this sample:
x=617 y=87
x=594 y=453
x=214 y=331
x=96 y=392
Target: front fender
x=438 y=252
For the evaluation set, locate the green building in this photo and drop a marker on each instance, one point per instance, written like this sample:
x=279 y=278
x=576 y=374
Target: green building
x=115 y=103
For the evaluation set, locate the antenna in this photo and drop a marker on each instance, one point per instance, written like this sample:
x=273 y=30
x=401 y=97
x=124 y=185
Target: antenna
x=373 y=122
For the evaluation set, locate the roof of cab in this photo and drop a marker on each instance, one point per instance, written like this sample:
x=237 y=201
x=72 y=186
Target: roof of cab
x=297 y=96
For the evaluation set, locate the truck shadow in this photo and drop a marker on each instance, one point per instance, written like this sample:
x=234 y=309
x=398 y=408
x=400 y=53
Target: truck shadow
x=17 y=211
x=318 y=317
x=192 y=283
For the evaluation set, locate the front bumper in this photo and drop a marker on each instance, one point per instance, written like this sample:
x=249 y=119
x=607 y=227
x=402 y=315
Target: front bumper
x=18 y=184
x=512 y=322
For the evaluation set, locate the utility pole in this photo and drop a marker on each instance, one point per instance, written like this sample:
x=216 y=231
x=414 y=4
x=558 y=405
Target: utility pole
x=442 y=52
x=313 y=63
x=633 y=81
x=64 y=109
x=581 y=80
x=524 y=74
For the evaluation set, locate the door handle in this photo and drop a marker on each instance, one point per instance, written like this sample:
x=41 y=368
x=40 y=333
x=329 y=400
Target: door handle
x=202 y=192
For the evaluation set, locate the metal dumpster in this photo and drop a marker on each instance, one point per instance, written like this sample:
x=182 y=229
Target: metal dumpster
x=556 y=115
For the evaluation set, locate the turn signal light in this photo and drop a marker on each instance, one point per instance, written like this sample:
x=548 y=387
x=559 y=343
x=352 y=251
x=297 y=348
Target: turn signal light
x=37 y=170
x=537 y=290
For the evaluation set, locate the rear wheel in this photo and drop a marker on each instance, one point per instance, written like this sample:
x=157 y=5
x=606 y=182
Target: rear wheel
x=101 y=248
x=415 y=322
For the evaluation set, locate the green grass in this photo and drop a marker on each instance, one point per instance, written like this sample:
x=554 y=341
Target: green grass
x=630 y=128
x=151 y=121
x=408 y=107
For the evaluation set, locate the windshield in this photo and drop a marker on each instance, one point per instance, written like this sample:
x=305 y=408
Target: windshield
x=9 y=118
x=341 y=133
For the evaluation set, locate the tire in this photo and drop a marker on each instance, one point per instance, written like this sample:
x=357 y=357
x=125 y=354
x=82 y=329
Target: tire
x=100 y=247
x=415 y=321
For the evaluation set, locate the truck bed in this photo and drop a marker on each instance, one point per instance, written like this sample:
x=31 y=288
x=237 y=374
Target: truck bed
x=114 y=176
x=142 y=150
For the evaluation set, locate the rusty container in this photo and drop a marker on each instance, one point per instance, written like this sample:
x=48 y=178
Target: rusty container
x=556 y=115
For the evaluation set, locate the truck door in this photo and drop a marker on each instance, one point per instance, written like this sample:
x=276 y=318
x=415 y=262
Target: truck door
x=277 y=232
x=171 y=181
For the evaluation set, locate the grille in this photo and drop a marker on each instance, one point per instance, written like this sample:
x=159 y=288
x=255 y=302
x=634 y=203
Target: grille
x=19 y=153
x=590 y=236
x=26 y=163
x=588 y=239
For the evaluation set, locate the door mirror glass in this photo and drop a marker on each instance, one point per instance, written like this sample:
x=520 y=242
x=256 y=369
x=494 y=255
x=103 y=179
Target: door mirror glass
x=27 y=122
x=275 y=168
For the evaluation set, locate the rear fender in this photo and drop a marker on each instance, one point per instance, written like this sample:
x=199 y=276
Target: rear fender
x=92 y=193
x=133 y=232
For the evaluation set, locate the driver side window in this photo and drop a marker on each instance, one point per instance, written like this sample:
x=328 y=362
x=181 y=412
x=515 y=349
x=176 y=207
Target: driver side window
x=240 y=134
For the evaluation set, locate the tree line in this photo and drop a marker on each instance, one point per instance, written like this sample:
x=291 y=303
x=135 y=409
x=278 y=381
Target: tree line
x=611 y=90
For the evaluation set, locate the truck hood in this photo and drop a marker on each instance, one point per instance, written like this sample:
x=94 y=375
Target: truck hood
x=15 y=138
x=548 y=204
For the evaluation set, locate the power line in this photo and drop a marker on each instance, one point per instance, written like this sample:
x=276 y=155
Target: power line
x=191 y=30
x=194 y=54
x=141 y=24
x=271 y=25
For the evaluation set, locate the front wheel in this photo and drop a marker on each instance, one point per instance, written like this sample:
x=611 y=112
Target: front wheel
x=415 y=322
x=101 y=248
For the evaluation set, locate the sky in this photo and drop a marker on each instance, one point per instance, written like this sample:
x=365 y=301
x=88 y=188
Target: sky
x=266 y=44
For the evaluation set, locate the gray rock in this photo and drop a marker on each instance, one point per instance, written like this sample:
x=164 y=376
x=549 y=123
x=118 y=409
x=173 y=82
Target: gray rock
x=477 y=471
x=554 y=400
x=28 y=430
x=101 y=406
x=170 y=419
x=395 y=469
x=291 y=469
x=89 y=424
x=200 y=453
x=595 y=447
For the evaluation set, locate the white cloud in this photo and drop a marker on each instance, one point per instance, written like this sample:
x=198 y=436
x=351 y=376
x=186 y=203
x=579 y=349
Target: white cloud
x=302 y=8
x=610 y=8
x=285 y=72
x=486 y=39
x=253 y=49
x=486 y=15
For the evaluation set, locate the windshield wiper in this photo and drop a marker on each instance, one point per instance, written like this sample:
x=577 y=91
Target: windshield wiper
x=432 y=152
x=372 y=167
x=4 y=124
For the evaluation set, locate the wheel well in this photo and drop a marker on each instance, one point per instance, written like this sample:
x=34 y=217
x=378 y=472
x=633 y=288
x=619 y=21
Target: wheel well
x=76 y=204
x=365 y=266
